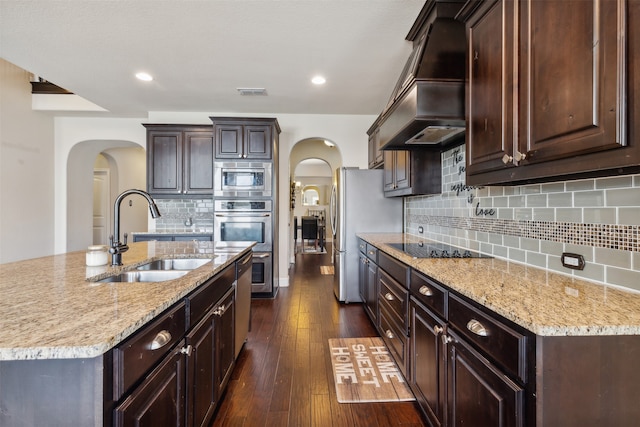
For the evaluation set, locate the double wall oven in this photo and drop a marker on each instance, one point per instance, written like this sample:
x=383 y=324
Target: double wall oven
x=248 y=220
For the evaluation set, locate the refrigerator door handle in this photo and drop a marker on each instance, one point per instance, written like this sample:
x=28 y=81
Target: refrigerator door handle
x=333 y=209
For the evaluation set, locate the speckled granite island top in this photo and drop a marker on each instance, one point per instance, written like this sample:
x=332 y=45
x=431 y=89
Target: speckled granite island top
x=541 y=301
x=50 y=308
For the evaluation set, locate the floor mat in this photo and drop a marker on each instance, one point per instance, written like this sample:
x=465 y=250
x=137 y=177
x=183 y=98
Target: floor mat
x=327 y=270
x=364 y=371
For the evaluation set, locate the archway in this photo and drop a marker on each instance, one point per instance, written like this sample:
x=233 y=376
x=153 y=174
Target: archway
x=127 y=163
x=312 y=164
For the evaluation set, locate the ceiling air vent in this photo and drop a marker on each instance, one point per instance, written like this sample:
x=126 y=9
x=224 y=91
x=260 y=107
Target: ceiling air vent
x=252 y=91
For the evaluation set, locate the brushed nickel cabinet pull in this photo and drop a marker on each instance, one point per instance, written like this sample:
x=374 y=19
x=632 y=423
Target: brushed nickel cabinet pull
x=220 y=310
x=160 y=340
x=477 y=328
x=389 y=334
x=426 y=291
x=438 y=329
x=389 y=297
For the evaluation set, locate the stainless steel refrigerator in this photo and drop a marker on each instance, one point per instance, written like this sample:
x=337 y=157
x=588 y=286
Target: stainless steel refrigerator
x=358 y=205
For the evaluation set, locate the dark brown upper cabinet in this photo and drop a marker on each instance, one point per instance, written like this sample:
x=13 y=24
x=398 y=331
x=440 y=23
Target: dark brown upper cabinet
x=244 y=139
x=411 y=173
x=179 y=160
x=551 y=90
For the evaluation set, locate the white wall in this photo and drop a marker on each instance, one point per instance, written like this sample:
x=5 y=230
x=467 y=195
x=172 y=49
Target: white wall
x=26 y=171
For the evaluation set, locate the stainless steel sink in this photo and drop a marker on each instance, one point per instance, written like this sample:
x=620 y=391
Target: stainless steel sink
x=175 y=264
x=145 y=276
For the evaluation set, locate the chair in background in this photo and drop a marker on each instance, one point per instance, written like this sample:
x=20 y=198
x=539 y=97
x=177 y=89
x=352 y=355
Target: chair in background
x=309 y=229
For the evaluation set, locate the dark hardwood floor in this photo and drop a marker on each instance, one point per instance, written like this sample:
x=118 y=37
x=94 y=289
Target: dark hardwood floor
x=283 y=374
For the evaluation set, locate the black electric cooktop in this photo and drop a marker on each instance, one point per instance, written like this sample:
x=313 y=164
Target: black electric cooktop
x=435 y=250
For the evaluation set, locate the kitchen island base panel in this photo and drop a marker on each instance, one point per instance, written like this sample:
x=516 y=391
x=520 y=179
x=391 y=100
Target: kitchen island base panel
x=66 y=390
x=588 y=381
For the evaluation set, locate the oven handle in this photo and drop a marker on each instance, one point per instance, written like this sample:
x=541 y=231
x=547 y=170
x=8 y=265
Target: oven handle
x=242 y=214
x=265 y=255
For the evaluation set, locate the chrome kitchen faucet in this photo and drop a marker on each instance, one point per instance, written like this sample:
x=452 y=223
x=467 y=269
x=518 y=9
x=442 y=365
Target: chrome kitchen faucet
x=116 y=248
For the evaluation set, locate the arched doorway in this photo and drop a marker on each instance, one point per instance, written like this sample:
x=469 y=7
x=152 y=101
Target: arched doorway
x=312 y=165
x=126 y=162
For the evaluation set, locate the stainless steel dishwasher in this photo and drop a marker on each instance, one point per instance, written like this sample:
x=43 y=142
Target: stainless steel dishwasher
x=243 y=300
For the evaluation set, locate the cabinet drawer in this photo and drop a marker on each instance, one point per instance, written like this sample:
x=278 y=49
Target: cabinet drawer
x=429 y=293
x=203 y=298
x=500 y=342
x=362 y=246
x=394 y=297
x=133 y=358
x=396 y=340
x=372 y=253
x=396 y=269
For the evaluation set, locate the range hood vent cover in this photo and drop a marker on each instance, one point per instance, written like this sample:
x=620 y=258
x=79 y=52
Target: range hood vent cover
x=426 y=107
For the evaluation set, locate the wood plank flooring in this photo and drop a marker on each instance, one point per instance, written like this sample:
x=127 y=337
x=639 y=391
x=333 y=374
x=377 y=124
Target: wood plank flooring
x=283 y=374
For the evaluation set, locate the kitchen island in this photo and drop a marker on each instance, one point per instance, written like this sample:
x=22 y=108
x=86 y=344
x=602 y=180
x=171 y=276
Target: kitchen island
x=500 y=343
x=59 y=326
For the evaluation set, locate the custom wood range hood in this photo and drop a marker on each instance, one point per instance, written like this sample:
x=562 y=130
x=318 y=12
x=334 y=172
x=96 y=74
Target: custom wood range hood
x=426 y=108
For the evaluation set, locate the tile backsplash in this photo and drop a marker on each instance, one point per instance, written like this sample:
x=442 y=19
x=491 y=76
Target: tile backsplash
x=177 y=214
x=534 y=224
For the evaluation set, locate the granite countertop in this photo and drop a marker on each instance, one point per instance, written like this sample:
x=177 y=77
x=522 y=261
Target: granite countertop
x=543 y=302
x=51 y=309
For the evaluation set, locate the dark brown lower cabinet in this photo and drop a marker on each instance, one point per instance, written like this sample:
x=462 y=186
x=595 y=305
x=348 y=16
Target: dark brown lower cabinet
x=428 y=362
x=159 y=399
x=201 y=395
x=224 y=332
x=480 y=394
x=467 y=366
x=210 y=362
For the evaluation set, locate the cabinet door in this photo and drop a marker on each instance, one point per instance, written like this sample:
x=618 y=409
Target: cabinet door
x=479 y=394
x=159 y=399
x=490 y=103
x=257 y=142
x=397 y=170
x=573 y=73
x=201 y=389
x=372 y=291
x=428 y=362
x=376 y=155
x=198 y=163
x=164 y=162
x=362 y=277
x=224 y=329
x=388 y=182
x=402 y=175
x=228 y=141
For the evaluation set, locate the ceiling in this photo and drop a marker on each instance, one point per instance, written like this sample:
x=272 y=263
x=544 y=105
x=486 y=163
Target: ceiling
x=201 y=51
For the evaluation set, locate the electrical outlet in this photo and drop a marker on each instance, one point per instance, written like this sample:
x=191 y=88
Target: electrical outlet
x=573 y=261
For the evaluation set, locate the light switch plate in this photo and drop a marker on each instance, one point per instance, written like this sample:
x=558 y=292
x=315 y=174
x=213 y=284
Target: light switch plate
x=573 y=261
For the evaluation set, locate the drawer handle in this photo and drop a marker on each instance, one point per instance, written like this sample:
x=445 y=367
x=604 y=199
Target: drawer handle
x=371 y=252
x=220 y=310
x=388 y=296
x=160 y=340
x=426 y=291
x=389 y=334
x=438 y=329
x=477 y=328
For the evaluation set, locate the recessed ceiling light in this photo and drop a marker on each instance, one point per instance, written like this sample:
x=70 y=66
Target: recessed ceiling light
x=318 y=80
x=145 y=77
